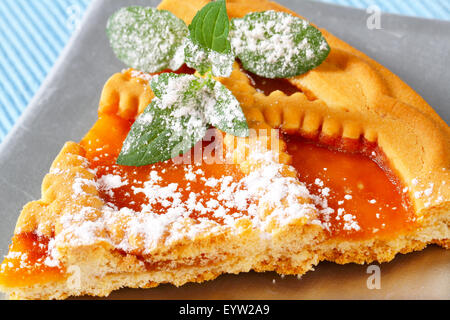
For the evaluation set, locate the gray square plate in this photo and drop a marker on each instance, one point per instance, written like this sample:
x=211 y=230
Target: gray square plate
x=66 y=107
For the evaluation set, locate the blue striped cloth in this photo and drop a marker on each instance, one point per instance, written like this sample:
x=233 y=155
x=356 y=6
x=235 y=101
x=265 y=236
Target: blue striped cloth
x=432 y=9
x=33 y=33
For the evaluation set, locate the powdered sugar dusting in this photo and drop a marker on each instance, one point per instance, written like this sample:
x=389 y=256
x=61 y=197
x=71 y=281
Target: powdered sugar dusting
x=141 y=75
x=266 y=197
x=204 y=59
x=79 y=185
x=147 y=39
x=275 y=44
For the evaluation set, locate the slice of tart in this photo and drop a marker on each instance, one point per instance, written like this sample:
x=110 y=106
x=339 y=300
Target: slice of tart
x=346 y=164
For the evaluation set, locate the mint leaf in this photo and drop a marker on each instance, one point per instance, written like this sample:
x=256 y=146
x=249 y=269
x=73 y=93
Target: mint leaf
x=178 y=89
x=210 y=27
x=147 y=39
x=178 y=117
x=223 y=110
x=204 y=60
x=171 y=125
x=220 y=107
x=276 y=44
x=150 y=140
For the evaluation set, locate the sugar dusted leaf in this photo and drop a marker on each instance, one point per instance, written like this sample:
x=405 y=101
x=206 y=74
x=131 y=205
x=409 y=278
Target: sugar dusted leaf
x=178 y=117
x=204 y=60
x=171 y=125
x=220 y=107
x=147 y=39
x=180 y=89
x=276 y=44
x=224 y=112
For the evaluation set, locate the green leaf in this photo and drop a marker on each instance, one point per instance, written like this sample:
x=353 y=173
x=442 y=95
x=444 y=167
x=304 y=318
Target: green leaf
x=147 y=39
x=224 y=111
x=276 y=44
x=178 y=117
x=210 y=27
x=181 y=89
x=170 y=126
x=220 y=107
x=204 y=60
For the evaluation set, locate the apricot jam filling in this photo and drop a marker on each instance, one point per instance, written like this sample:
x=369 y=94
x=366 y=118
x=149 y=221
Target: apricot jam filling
x=359 y=196
x=192 y=177
x=29 y=263
x=353 y=179
x=267 y=86
x=32 y=265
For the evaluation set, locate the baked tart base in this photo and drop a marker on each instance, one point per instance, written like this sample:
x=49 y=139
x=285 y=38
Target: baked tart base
x=340 y=185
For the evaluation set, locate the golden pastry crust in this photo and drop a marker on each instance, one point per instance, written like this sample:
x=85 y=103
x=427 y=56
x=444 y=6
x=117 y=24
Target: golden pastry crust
x=349 y=96
x=125 y=95
x=70 y=203
x=352 y=96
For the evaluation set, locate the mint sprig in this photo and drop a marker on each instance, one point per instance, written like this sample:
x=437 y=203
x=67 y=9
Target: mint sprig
x=185 y=106
x=207 y=48
x=210 y=27
x=205 y=60
x=270 y=44
x=156 y=137
x=223 y=110
x=147 y=39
